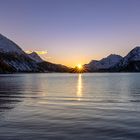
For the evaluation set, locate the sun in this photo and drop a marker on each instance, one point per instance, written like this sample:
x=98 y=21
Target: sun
x=79 y=66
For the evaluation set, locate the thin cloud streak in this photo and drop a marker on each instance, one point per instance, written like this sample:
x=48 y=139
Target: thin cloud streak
x=38 y=52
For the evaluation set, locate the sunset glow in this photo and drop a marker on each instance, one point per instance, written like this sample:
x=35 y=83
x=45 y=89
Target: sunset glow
x=70 y=69
x=79 y=66
x=67 y=29
x=38 y=52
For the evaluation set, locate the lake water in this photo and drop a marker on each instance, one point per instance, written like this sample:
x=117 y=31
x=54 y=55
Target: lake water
x=98 y=106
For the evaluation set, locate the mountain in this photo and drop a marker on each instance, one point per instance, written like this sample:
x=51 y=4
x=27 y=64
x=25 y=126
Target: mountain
x=19 y=62
x=8 y=46
x=104 y=64
x=130 y=63
x=51 y=67
x=116 y=63
x=14 y=59
x=34 y=56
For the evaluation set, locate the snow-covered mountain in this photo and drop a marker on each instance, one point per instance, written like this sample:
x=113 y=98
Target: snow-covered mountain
x=103 y=64
x=18 y=62
x=34 y=56
x=14 y=59
x=8 y=46
x=133 y=55
x=116 y=63
x=131 y=62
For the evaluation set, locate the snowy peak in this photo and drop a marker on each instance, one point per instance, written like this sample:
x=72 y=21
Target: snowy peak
x=104 y=63
x=34 y=56
x=110 y=60
x=132 y=57
x=8 y=46
x=134 y=54
x=14 y=59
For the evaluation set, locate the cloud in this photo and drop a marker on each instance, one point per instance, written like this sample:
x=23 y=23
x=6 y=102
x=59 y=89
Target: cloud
x=42 y=54
x=38 y=52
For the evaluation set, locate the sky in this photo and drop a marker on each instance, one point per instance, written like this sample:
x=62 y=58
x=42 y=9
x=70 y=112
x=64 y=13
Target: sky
x=72 y=32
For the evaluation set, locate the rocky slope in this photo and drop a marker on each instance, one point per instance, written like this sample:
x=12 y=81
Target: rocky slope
x=116 y=63
x=104 y=64
x=34 y=56
x=130 y=63
x=14 y=59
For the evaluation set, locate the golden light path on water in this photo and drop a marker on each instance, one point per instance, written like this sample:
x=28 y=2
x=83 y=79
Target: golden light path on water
x=79 y=87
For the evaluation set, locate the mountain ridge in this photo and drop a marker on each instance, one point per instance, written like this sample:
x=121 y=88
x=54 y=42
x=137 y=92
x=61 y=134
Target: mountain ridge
x=35 y=57
x=128 y=63
x=13 y=59
x=103 y=64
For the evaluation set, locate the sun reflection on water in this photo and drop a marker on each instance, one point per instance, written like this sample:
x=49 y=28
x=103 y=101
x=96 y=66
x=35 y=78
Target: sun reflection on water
x=79 y=87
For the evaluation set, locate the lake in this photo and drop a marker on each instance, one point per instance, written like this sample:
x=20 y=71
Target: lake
x=70 y=106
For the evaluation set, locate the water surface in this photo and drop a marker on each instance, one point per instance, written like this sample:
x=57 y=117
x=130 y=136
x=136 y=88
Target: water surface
x=70 y=106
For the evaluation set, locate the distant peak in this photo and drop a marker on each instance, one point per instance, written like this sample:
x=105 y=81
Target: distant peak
x=34 y=56
x=114 y=55
x=33 y=53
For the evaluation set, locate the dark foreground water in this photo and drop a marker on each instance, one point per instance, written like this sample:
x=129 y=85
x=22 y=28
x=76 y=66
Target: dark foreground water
x=70 y=107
